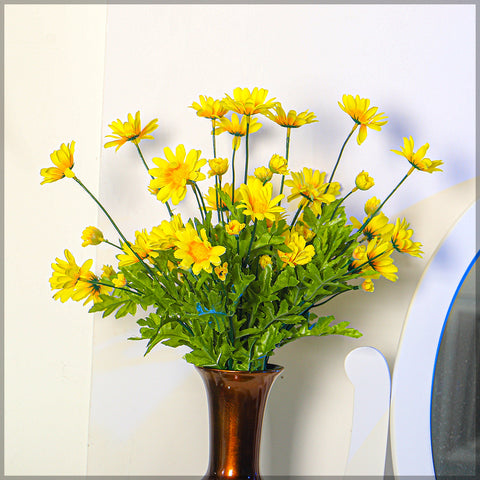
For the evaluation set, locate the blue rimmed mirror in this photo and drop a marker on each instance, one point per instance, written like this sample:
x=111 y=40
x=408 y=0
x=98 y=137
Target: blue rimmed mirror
x=454 y=423
x=419 y=424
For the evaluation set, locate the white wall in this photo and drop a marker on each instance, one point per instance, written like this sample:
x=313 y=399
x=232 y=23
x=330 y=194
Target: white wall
x=54 y=63
x=146 y=412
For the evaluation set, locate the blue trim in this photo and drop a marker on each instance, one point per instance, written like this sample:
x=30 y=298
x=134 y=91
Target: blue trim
x=460 y=284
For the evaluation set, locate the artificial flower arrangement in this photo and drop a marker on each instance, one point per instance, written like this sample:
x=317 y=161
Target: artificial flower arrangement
x=243 y=277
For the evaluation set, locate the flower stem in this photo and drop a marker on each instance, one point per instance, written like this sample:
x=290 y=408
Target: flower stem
x=233 y=175
x=381 y=205
x=97 y=282
x=198 y=200
x=251 y=241
x=341 y=201
x=213 y=139
x=340 y=155
x=116 y=228
x=113 y=245
x=287 y=149
x=141 y=156
x=246 y=150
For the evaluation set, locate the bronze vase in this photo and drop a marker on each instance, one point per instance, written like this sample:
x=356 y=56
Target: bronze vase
x=236 y=403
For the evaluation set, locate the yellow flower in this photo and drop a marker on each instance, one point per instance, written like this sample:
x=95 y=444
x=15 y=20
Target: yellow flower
x=218 y=166
x=376 y=261
x=257 y=200
x=300 y=253
x=130 y=131
x=249 y=103
x=368 y=285
x=222 y=271
x=278 y=164
x=361 y=114
x=378 y=226
x=174 y=173
x=211 y=197
x=164 y=236
x=264 y=174
x=196 y=251
x=310 y=187
x=304 y=230
x=234 y=227
x=63 y=161
x=66 y=275
x=108 y=271
x=92 y=236
x=237 y=128
x=401 y=239
x=364 y=181
x=417 y=159
x=142 y=247
x=290 y=119
x=265 y=260
x=209 y=108
x=371 y=205
x=120 y=281
x=89 y=288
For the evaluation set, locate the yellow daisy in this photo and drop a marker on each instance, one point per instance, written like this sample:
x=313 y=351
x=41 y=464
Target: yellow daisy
x=371 y=205
x=209 y=108
x=63 y=161
x=401 y=242
x=89 y=288
x=290 y=119
x=142 y=247
x=237 y=128
x=310 y=187
x=248 y=102
x=196 y=251
x=300 y=253
x=164 y=236
x=362 y=114
x=257 y=201
x=130 y=131
x=378 y=226
x=66 y=275
x=174 y=173
x=375 y=260
x=222 y=271
x=417 y=159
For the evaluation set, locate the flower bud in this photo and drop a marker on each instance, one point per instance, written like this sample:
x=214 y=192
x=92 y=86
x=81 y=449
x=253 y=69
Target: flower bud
x=92 y=236
x=364 y=181
x=371 y=205
x=263 y=174
x=218 y=166
x=278 y=164
x=234 y=227
x=368 y=285
x=265 y=260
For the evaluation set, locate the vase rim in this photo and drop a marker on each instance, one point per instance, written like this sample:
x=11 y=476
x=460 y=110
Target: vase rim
x=271 y=368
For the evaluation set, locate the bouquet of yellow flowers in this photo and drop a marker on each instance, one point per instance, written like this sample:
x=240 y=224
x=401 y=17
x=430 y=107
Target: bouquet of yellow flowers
x=243 y=277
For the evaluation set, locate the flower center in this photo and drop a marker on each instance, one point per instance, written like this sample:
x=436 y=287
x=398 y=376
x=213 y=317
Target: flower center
x=199 y=252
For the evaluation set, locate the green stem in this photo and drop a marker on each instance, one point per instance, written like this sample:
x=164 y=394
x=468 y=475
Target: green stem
x=113 y=245
x=217 y=199
x=233 y=175
x=341 y=201
x=201 y=198
x=246 y=150
x=287 y=149
x=192 y=184
x=141 y=156
x=341 y=152
x=116 y=228
x=213 y=139
x=251 y=241
x=381 y=205
x=96 y=282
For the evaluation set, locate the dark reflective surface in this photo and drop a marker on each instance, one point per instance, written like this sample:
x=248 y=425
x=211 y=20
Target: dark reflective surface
x=455 y=424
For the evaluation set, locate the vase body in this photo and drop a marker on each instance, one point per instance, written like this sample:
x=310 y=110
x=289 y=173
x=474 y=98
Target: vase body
x=236 y=403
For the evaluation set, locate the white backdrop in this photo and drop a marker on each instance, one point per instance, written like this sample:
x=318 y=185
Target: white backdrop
x=416 y=62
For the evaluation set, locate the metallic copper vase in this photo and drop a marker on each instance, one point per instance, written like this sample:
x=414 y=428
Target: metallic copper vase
x=236 y=403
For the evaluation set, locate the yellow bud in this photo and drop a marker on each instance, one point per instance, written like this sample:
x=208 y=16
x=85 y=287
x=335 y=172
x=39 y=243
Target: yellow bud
x=359 y=252
x=371 y=205
x=263 y=174
x=278 y=164
x=218 y=166
x=364 y=181
x=234 y=227
x=265 y=260
x=120 y=281
x=92 y=236
x=368 y=285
